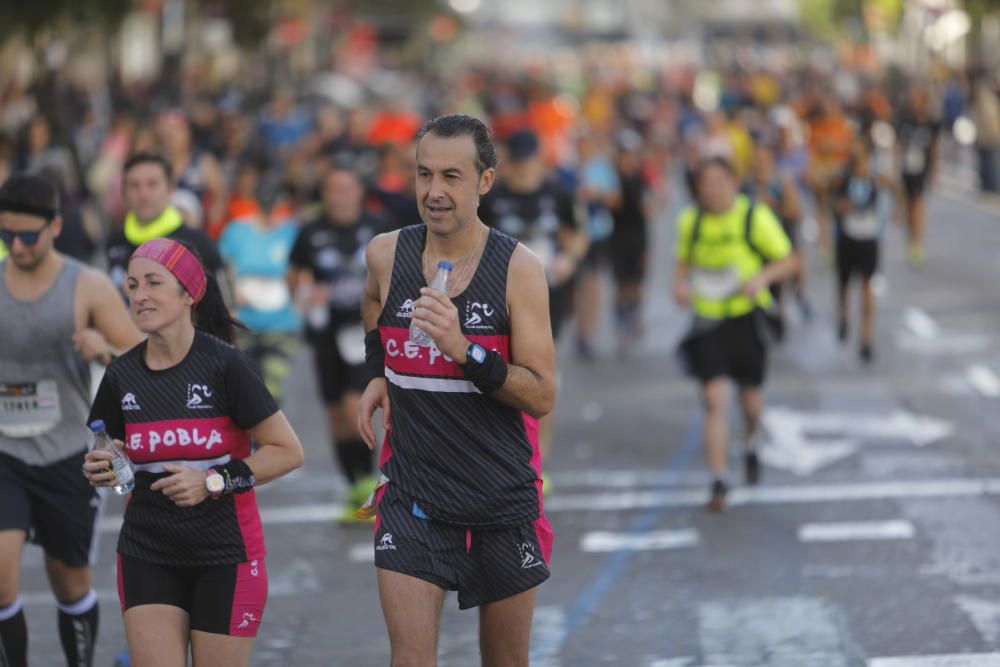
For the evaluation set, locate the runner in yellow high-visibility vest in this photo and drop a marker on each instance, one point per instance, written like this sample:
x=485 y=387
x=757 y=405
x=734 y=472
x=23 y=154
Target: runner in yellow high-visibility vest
x=729 y=250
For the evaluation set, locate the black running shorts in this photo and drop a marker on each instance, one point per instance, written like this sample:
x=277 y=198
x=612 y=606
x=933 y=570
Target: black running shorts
x=54 y=505
x=856 y=258
x=483 y=565
x=733 y=349
x=335 y=375
x=220 y=599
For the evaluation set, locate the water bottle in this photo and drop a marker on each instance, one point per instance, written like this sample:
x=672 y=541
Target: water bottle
x=124 y=472
x=440 y=283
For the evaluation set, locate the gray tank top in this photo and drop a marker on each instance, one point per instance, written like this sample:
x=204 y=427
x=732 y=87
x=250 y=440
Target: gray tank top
x=44 y=382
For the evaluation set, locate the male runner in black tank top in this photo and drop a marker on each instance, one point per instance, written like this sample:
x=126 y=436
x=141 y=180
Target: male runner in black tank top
x=462 y=509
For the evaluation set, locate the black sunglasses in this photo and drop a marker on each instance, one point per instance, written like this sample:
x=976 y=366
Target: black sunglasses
x=27 y=238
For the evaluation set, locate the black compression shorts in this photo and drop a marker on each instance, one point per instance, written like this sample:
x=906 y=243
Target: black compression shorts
x=220 y=599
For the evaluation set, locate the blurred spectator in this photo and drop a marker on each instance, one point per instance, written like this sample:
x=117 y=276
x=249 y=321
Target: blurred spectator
x=283 y=126
x=985 y=113
x=194 y=170
x=257 y=247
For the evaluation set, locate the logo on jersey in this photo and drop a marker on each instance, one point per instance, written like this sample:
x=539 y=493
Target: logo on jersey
x=254 y=570
x=129 y=402
x=405 y=309
x=528 y=557
x=197 y=394
x=248 y=618
x=474 y=314
x=385 y=544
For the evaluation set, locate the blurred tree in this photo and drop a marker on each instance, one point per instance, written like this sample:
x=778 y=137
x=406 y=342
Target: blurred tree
x=251 y=19
x=30 y=17
x=977 y=9
x=829 y=18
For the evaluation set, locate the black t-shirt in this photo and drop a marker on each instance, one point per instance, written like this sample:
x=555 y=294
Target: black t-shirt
x=120 y=249
x=196 y=414
x=336 y=257
x=630 y=217
x=916 y=138
x=533 y=218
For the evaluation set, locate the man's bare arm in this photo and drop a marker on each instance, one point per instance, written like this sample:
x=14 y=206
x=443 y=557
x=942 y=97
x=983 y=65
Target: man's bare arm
x=531 y=383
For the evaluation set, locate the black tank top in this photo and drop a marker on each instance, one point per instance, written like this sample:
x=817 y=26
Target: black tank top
x=468 y=459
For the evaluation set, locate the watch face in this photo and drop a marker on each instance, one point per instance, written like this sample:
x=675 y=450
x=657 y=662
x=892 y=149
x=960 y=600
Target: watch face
x=478 y=353
x=215 y=483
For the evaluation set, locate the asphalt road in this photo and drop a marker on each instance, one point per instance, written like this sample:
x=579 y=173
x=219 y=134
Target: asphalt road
x=873 y=541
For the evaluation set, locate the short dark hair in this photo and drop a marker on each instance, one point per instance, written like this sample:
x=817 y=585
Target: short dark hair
x=30 y=194
x=149 y=157
x=714 y=161
x=460 y=125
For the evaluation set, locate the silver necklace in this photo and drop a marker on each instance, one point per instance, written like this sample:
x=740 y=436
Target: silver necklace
x=465 y=261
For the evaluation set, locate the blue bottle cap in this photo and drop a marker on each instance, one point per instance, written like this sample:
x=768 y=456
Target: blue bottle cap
x=445 y=264
x=97 y=426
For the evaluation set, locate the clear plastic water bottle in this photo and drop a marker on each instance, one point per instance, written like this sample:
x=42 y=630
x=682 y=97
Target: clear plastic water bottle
x=440 y=283
x=124 y=472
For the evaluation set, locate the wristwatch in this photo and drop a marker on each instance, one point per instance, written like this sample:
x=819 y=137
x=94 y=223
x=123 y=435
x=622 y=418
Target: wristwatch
x=215 y=483
x=477 y=353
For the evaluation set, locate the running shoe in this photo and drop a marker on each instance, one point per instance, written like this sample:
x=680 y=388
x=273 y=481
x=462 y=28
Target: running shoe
x=866 y=353
x=717 y=503
x=751 y=467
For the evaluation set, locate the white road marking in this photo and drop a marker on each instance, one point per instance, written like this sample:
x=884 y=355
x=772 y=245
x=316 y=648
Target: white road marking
x=777 y=495
x=738 y=632
x=298 y=577
x=271 y=516
x=602 y=541
x=950 y=344
x=984 y=380
x=856 y=530
x=802 y=442
x=953 y=660
x=920 y=324
x=671 y=662
x=625 y=479
x=984 y=614
x=548 y=628
x=684 y=497
x=362 y=553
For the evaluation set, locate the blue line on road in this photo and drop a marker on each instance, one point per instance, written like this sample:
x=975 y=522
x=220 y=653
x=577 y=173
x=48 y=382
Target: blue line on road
x=615 y=565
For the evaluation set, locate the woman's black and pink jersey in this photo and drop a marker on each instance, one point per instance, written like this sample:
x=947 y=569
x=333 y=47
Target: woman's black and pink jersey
x=468 y=459
x=195 y=413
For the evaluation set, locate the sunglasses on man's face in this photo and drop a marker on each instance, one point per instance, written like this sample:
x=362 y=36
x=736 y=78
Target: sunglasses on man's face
x=27 y=238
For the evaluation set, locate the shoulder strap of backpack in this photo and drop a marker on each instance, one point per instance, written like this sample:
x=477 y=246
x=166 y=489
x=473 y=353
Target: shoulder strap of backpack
x=695 y=232
x=747 y=232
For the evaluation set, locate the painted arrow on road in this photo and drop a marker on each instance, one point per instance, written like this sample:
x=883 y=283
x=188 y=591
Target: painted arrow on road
x=803 y=442
x=984 y=614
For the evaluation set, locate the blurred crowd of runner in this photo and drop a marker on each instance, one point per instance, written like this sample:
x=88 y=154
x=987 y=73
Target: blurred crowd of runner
x=289 y=181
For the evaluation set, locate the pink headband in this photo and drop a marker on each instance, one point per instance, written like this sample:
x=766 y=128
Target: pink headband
x=178 y=260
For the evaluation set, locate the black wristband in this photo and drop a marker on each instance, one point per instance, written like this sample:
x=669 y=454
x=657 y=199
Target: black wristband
x=238 y=475
x=489 y=375
x=374 y=356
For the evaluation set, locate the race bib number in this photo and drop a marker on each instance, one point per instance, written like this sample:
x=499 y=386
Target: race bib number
x=861 y=226
x=716 y=284
x=351 y=344
x=264 y=294
x=914 y=160
x=29 y=409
